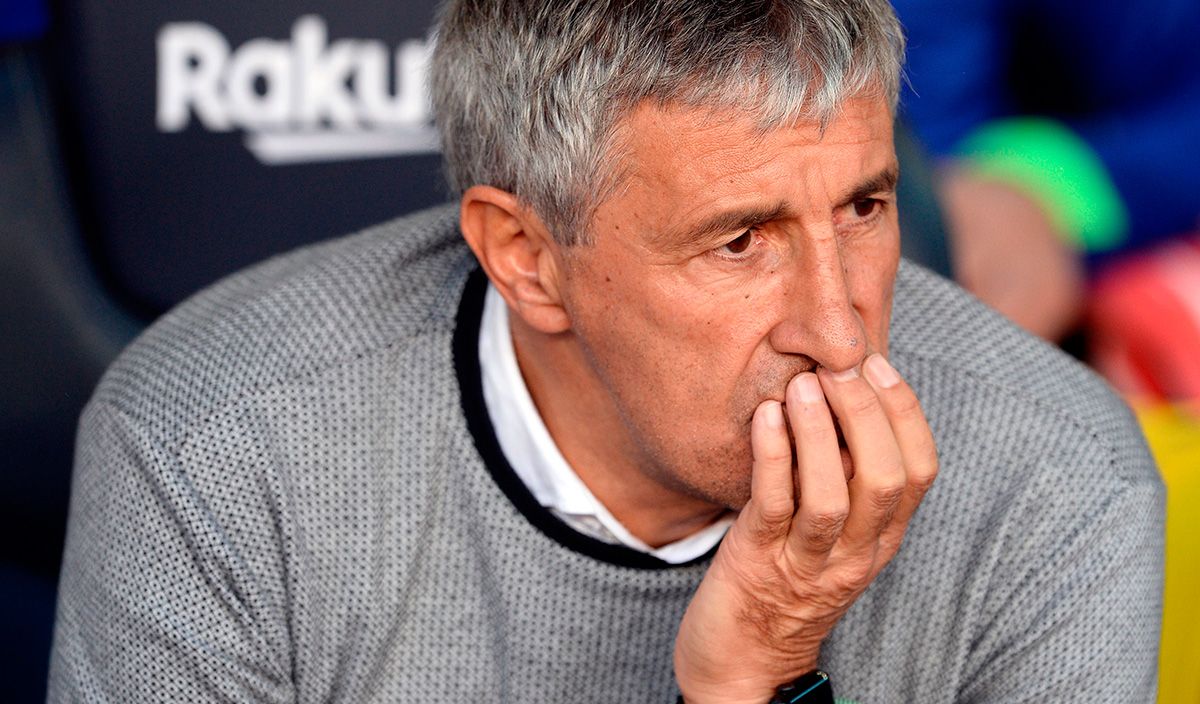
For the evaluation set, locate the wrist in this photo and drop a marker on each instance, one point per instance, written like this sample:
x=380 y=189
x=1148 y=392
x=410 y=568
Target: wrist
x=813 y=687
x=749 y=685
x=726 y=692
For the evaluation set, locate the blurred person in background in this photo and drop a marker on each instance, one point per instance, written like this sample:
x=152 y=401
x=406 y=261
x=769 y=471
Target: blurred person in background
x=1070 y=134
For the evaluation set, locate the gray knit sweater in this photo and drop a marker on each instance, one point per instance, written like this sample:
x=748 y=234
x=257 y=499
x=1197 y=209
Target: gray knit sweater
x=288 y=490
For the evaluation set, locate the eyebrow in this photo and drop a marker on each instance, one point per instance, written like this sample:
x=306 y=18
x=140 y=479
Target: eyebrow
x=743 y=218
x=883 y=182
x=722 y=222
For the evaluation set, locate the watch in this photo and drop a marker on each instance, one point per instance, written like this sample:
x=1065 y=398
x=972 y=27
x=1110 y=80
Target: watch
x=811 y=688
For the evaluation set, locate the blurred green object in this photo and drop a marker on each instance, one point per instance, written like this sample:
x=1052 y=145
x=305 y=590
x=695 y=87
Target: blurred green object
x=1059 y=170
x=1174 y=436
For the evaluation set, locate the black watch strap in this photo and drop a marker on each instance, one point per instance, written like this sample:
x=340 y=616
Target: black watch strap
x=811 y=688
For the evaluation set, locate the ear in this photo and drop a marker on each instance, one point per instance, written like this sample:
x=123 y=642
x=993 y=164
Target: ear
x=517 y=253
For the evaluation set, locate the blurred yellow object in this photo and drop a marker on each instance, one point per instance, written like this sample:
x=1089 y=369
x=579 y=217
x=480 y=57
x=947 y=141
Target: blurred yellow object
x=1174 y=437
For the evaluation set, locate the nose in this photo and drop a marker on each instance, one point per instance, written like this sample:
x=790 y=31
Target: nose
x=817 y=317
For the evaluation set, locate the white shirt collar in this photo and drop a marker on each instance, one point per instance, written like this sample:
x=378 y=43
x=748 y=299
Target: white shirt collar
x=536 y=459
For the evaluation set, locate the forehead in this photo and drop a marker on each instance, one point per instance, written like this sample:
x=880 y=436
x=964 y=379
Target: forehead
x=685 y=158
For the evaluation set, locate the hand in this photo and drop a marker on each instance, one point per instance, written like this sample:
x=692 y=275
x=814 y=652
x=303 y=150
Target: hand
x=805 y=546
x=1006 y=251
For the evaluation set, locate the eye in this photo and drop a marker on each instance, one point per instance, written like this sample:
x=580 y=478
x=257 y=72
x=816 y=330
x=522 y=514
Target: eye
x=741 y=244
x=866 y=207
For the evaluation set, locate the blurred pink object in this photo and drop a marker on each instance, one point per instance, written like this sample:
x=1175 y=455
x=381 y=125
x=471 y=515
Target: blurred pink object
x=1143 y=323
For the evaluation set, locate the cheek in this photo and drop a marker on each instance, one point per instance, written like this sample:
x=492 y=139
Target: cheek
x=683 y=351
x=871 y=274
x=626 y=336
x=675 y=357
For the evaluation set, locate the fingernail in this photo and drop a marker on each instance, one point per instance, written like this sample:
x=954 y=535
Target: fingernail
x=773 y=415
x=880 y=373
x=844 y=375
x=808 y=388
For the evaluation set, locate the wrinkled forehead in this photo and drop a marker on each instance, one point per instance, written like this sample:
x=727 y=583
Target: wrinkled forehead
x=698 y=153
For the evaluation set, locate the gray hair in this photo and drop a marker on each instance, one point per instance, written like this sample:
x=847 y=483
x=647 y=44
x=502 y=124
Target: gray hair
x=528 y=94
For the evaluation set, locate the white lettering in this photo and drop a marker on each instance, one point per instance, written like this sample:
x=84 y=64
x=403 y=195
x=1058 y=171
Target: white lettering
x=410 y=104
x=324 y=75
x=271 y=62
x=191 y=57
x=301 y=100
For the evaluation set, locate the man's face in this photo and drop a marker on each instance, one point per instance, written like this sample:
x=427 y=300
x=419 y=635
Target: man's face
x=727 y=262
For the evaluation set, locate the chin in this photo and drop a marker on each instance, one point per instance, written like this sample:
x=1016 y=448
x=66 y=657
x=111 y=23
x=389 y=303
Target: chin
x=731 y=488
x=732 y=498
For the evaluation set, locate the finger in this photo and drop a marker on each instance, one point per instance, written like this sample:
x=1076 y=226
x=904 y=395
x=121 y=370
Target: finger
x=879 y=477
x=913 y=436
x=821 y=484
x=772 y=496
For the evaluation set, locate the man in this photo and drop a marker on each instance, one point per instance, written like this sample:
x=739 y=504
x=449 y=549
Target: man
x=392 y=468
